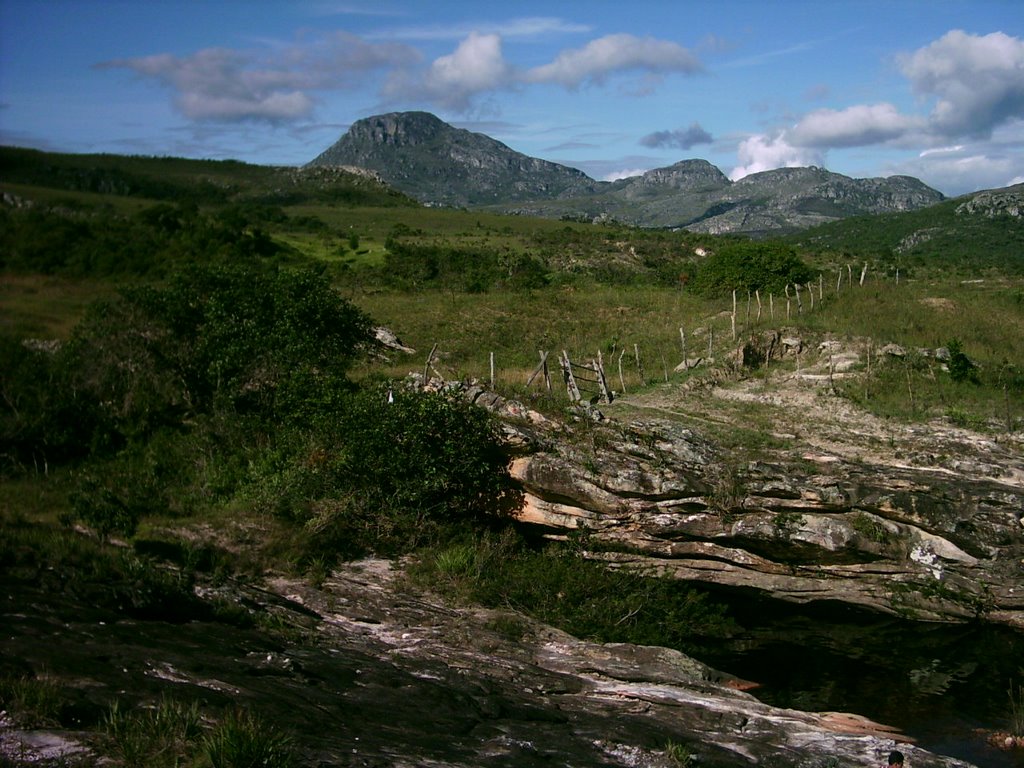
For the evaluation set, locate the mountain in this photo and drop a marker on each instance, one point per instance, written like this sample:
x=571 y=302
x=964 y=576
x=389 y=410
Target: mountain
x=437 y=163
x=697 y=196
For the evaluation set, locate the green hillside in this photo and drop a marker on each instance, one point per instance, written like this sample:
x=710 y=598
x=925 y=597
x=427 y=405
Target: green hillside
x=968 y=236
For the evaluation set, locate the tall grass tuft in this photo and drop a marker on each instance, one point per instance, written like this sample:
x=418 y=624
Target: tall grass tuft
x=151 y=738
x=243 y=739
x=32 y=702
x=1016 y=695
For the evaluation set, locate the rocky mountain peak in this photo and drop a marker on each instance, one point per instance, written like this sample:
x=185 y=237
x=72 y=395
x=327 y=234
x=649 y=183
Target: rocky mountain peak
x=692 y=175
x=398 y=129
x=435 y=162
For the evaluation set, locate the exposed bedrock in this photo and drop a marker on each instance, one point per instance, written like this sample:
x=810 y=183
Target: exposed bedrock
x=923 y=542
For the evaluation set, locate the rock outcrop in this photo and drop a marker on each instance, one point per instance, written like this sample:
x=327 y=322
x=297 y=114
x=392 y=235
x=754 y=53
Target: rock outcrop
x=365 y=671
x=922 y=521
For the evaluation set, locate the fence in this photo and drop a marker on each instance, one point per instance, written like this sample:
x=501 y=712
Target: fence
x=586 y=380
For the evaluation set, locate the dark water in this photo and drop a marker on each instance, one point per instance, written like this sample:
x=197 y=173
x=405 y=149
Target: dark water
x=945 y=686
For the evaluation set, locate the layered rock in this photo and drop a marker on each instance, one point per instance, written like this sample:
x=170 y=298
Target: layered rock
x=932 y=528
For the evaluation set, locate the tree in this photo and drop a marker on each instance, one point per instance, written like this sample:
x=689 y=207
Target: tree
x=750 y=266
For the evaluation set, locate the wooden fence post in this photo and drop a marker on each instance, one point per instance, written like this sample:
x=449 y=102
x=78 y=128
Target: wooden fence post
x=492 y=370
x=602 y=380
x=570 y=381
x=787 y=302
x=541 y=368
x=863 y=273
x=639 y=365
x=622 y=381
x=426 y=366
x=757 y=293
x=734 y=314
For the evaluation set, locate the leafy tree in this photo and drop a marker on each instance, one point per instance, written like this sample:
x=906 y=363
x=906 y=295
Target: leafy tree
x=750 y=266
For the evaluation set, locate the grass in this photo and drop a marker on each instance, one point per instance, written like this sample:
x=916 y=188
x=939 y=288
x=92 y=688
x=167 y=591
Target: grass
x=46 y=307
x=243 y=739
x=585 y=598
x=1016 y=696
x=173 y=734
x=679 y=755
x=31 y=702
x=583 y=321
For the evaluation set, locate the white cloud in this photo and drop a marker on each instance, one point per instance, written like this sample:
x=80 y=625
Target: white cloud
x=941 y=150
x=855 y=126
x=763 y=153
x=971 y=166
x=525 y=27
x=625 y=173
x=968 y=134
x=477 y=65
x=978 y=81
x=221 y=84
x=611 y=54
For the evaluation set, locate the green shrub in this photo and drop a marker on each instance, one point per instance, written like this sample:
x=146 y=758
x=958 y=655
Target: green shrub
x=749 y=266
x=397 y=468
x=960 y=366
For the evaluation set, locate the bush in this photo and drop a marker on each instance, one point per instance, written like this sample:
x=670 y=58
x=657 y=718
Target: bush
x=397 y=468
x=960 y=366
x=749 y=266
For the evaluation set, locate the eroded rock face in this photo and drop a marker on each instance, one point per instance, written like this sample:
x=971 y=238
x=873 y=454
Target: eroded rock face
x=931 y=527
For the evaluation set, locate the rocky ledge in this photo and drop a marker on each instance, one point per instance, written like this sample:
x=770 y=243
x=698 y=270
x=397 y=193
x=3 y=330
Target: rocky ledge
x=924 y=521
x=365 y=671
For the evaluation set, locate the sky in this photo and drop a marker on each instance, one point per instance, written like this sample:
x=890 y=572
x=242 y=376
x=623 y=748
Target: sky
x=928 y=88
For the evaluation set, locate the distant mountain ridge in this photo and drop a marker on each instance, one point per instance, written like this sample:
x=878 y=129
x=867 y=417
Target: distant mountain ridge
x=436 y=163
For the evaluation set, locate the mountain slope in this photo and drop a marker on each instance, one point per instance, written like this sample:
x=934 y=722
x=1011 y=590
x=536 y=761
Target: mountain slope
x=969 y=234
x=438 y=163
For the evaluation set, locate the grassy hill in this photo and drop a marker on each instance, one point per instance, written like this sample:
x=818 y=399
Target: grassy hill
x=968 y=236
x=76 y=226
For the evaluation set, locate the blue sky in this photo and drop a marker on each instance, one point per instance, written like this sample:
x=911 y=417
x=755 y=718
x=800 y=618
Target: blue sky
x=933 y=89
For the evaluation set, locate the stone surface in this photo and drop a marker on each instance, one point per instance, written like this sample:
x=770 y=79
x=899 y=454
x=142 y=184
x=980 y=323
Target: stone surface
x=373 y=673
x=922 y=521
